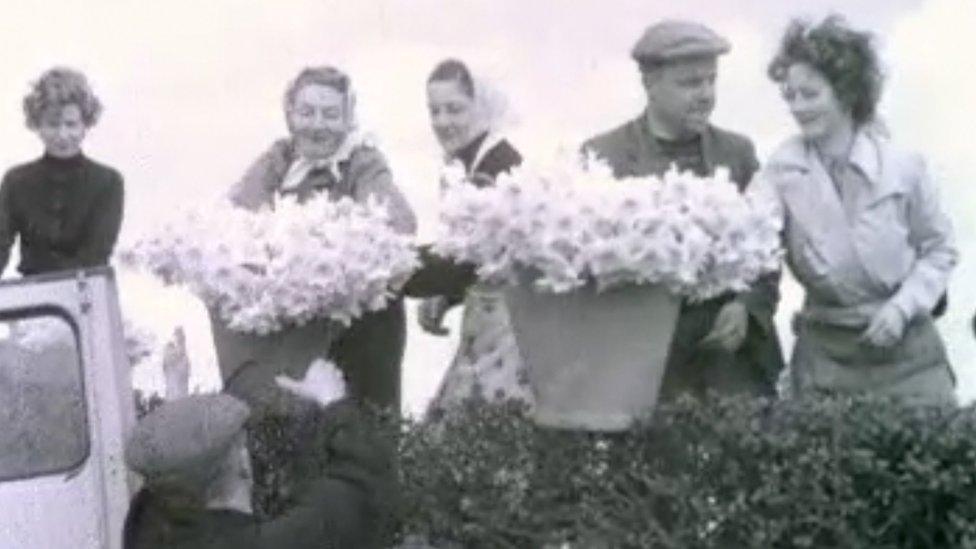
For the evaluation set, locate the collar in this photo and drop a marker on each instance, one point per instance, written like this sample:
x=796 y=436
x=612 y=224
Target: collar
x=646 y=153
x=353 y=141
x=301 y=166
x=649 y=126
x=471 y=155
x=467 y=153
x=865 y=155
x=64 y=163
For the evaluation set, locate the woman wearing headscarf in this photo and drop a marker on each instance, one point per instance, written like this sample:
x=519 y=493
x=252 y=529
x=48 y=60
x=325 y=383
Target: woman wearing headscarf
x=863 y=228
x=65 y=207
x=487 y=365
x=327 y=153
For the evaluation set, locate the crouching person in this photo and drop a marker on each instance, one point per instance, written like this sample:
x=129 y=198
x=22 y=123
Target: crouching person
x=193 y=453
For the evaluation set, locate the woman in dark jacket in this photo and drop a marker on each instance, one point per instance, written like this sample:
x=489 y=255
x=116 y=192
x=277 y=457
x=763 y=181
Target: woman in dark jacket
x=65 y=208
x=326 y=153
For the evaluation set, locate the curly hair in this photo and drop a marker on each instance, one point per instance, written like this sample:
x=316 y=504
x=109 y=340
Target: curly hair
x=324 y=76
x=845 y=57
x=57 y=88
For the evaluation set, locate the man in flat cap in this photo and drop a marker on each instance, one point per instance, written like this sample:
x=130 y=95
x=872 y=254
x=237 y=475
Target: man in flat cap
x=728 y=344
x=192 y=453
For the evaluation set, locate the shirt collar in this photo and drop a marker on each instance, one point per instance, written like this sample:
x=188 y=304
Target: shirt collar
x=467 y=153
x=301 y=166
x=865 y=155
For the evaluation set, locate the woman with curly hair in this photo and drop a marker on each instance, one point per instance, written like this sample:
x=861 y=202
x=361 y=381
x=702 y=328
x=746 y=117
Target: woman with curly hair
x=65 y=208
x=863 y=229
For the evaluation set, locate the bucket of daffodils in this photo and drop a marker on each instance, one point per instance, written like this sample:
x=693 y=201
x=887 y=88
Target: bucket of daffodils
x=597 y=268
x=279 y=283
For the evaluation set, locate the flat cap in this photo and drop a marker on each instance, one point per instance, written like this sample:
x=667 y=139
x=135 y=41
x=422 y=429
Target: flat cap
x=673 y=39
x=184 y=440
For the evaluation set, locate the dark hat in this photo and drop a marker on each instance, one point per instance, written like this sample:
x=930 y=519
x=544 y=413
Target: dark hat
x=184 y=440
x=673 y=39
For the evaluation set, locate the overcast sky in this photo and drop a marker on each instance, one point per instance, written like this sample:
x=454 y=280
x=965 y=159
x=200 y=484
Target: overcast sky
x=192 y=93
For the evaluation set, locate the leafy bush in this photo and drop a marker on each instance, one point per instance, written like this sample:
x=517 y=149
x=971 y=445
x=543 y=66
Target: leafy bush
x=719 y=474
x=724 y=473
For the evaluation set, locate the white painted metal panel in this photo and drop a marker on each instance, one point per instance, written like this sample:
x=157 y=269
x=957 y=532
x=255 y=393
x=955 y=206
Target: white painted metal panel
x=84 y=508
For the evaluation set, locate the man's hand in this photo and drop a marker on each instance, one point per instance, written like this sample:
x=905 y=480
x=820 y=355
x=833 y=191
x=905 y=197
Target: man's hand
x=323 y=383
x=430 y=315
x=886 y=328
x=729 y=330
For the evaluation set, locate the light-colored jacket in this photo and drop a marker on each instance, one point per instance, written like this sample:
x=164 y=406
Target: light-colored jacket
x=894 y=243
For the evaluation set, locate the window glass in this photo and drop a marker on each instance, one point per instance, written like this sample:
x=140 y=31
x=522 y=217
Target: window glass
x=43 y=426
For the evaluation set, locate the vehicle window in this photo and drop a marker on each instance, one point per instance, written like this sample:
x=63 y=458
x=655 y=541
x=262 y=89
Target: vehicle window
x=43 y=425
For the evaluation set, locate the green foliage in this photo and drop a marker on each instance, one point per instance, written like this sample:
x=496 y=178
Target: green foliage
x=719 y=474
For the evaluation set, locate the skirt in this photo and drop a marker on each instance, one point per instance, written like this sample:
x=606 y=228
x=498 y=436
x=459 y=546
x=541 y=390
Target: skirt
x=833 y=358
x=487 y=366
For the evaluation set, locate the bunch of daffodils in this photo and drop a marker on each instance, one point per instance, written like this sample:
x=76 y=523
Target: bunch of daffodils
x=262 y=271
x=573 y=223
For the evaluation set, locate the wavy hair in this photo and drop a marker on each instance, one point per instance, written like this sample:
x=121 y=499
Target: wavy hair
x=845 y=57
x=57 y=88
x=324 y=76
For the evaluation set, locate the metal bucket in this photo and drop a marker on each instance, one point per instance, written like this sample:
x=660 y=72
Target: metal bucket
x=595 y=360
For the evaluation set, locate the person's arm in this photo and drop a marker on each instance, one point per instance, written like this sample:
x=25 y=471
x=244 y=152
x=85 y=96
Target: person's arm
x=347 y=462
x=104 y=224
x=176 y=366
x=753 y=308
x=254 y=190
x=762 y=298
x=440 y=276
x=931 y=235
x=372 y=178
x=8 y=227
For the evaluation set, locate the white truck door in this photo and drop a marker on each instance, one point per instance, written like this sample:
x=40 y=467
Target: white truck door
x=65 y=408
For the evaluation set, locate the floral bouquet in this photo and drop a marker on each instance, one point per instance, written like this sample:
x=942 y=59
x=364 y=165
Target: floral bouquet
x=575 y=223
x=264 y=270
x=607 y=260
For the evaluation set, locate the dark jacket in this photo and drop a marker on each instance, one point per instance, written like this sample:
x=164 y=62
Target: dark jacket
x=341 y=466
x=67 y=213
x=631 y=150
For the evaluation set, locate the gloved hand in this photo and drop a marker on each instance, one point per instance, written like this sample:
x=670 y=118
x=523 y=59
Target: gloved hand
x=323 y=383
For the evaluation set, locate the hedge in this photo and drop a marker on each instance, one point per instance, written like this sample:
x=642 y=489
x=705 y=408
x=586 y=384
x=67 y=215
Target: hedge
x=724 y=473
x=830 y=472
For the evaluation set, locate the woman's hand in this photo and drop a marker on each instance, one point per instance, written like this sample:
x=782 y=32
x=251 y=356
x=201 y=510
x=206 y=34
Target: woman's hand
x=886 y=328
x=323 y=383
x=430 y=315
x=730 y=328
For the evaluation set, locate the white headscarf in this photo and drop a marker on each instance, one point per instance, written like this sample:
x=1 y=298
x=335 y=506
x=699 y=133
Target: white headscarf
x=492 y=106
